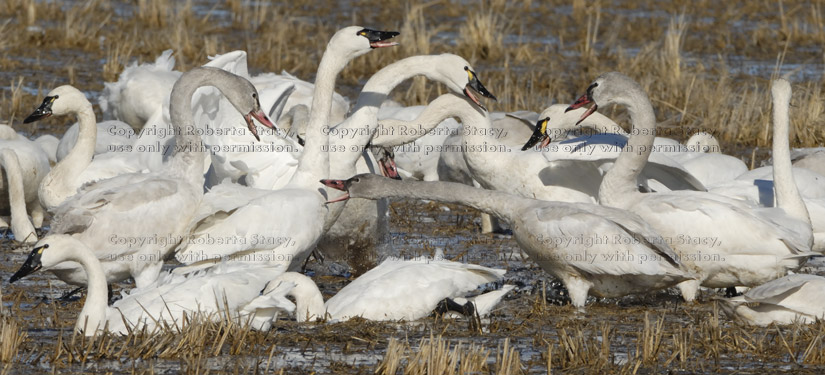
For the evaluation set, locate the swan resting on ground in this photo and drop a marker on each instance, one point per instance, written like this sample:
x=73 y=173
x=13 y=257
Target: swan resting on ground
x=786 y=300
x=223 y=291
x=394 y=290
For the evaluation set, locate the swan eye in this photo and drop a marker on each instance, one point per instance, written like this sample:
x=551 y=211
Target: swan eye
x=255 y=95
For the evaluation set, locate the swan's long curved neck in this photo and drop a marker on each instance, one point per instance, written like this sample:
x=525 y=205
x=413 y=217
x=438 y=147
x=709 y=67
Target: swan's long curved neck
x=93 y=315
x=364 y=119
x=314 y=162
x=189 y=148
x=619 y=184
x=502 y=205
x=60 y=182
x=785 y=189
x=20 y=225
x=445 y=106
x=309 y=304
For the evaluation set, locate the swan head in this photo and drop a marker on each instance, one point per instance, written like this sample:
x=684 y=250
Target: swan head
x=242 y=95
x=386 y=161
x=60 y=101
x=460 y=77
x=355 y=187
x=46 y=254
x=353 y=41
x=554 y=122
x=608 y=88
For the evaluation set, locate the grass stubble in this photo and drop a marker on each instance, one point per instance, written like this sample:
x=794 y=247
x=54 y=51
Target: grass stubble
x=690 y=57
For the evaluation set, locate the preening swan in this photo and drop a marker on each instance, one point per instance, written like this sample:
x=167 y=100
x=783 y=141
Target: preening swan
x=103 y=214
x=282 y=226
x=221 y=292
x=592 y=249
x=725 y=241
x=786 y=300
x=394 y=290
x=77 y=167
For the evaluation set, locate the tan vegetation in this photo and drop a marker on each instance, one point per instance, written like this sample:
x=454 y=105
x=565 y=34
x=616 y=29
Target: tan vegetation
x=693 y=58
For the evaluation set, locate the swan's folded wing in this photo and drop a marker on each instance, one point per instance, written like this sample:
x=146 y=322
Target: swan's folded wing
x=259 y=231
x=411 y=291
x=797 y=292
x=594 y=243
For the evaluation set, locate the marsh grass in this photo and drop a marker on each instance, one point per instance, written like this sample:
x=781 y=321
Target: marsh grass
x=682 y=52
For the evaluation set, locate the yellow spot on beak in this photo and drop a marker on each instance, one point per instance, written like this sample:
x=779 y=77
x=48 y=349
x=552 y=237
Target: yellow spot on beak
x=544 y=126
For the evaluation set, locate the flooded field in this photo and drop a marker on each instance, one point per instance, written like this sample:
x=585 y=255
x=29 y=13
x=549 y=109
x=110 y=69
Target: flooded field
x=706 y=66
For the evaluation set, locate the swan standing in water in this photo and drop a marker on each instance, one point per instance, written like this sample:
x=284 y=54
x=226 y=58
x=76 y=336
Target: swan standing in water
x=103 y=214
x=592 y=249
x=220 y=292
x=786 y=300
x=282 y=226
x=78 y=167
x=394 y=290
x=726 y=242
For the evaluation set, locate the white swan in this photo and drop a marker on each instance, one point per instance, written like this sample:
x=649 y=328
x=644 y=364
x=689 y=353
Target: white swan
x=810 y=158
x=220 y=293
x=786 y=300
x=77 y=167
x=24 y=165
x=394 y=290
x=109 y=216
x=725 y=241
x=139 y=91
x=281 y=226
x=592 y=249
x=356 y=227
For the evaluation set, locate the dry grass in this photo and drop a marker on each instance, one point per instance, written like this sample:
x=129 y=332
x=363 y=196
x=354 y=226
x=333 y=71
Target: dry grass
x=688 y=56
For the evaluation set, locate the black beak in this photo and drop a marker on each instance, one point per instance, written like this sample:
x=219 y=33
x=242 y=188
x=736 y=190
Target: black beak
x=378 y=38
x=45 y=110
x=31 y=265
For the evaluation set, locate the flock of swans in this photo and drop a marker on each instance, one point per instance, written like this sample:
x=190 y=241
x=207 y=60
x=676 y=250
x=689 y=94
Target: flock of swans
x=242 y=207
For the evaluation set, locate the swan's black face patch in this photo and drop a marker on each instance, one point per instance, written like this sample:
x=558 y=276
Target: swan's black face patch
x=539 y=135
x=45 y=110
x=31 y=264
x=378 y=38
x=474 y=86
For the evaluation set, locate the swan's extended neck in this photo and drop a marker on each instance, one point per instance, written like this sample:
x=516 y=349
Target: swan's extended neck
x=189 y=148
x=619 y=184
x=364 y=119
x=502 y=205
x=314 y=162
x=786 y=191
x=61 y=182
